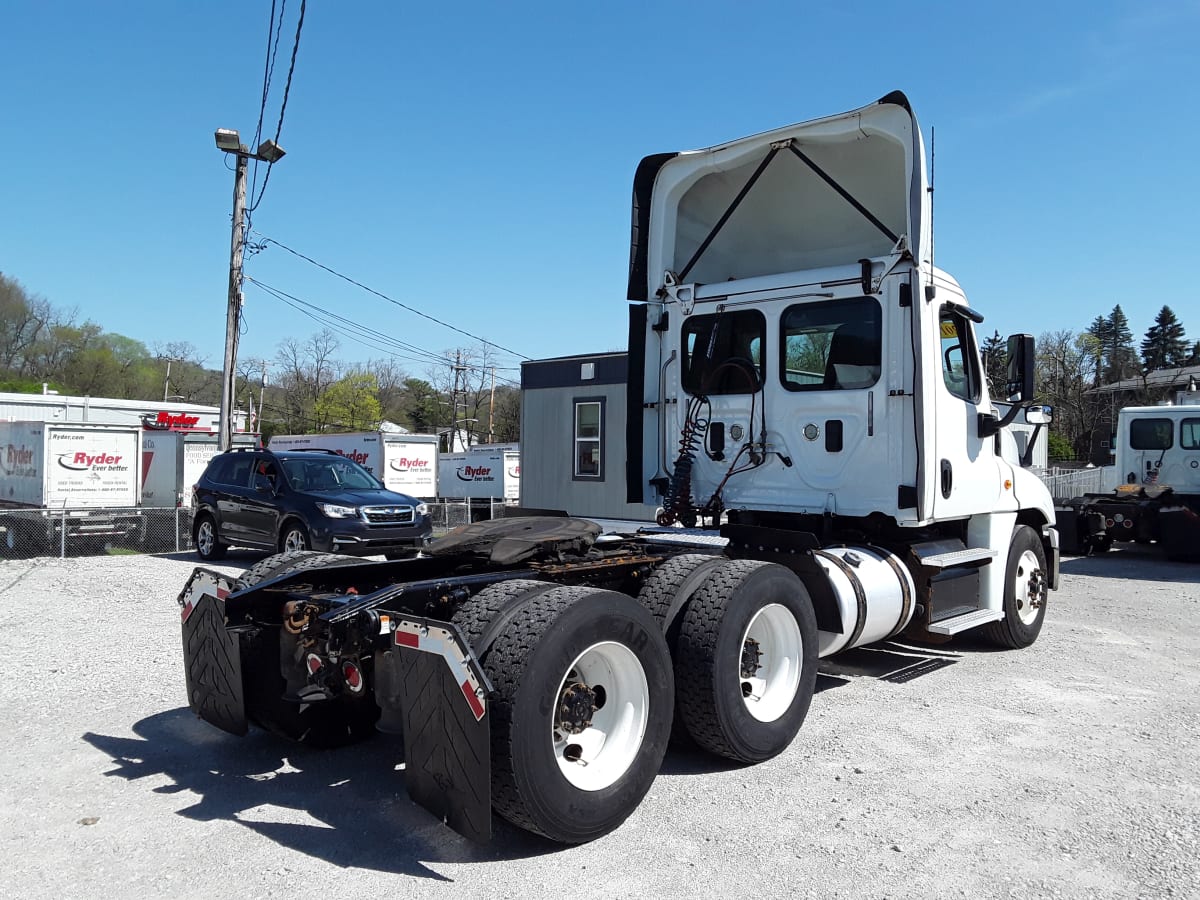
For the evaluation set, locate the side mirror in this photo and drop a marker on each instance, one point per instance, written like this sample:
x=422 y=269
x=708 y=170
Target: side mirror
x=1021 y=361
x=1039 y=415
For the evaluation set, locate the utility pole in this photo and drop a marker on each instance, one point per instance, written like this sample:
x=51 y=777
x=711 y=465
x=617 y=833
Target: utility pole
x=233 y=313
x=492 y=410
x=167 y=381
x=229 y=141
x=262 y=396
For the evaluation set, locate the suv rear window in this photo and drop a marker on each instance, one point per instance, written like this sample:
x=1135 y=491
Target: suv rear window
x=233 y=469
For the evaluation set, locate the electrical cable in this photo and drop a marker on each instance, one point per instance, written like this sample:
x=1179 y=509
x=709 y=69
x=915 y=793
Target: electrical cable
x=381 y=295
x=283 y=106
x=369 y=336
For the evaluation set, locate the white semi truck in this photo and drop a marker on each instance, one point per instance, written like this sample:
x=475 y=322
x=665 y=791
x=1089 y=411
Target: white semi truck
x=68 y=484
x=804 y=382
x=405 y=463
x=1157 y=458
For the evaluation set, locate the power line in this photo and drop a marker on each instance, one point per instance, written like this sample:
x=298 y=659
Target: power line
x=380 y=294
x=369 y=336
x=283 y=106
x=273 y=34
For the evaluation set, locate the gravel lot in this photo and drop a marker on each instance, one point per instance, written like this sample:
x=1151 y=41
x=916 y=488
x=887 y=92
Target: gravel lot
x=1068 y=769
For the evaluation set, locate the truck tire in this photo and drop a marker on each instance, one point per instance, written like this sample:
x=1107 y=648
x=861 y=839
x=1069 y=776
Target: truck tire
x=204 y=536
x=482 y=617
x=746 y=660
x=672 y=584
x=292 y=561
x=581 y=712
x=1025 y=592
x=294 y=536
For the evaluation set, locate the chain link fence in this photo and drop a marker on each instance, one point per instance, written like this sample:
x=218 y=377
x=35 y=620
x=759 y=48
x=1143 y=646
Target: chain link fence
x=26 y=533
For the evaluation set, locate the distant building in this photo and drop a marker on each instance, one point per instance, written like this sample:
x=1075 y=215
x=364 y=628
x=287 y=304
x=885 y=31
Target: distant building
x=166 y=415
x=573 y=413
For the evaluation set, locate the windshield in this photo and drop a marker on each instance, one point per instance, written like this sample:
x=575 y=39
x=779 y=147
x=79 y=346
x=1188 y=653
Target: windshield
x=328 y=473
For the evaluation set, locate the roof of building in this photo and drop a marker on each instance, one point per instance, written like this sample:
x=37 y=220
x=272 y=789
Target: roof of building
x=1182 y=378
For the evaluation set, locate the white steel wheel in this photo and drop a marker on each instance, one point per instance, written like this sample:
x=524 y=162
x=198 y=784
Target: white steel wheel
x=600 y=716
x=1029 y=587
x=772 y=656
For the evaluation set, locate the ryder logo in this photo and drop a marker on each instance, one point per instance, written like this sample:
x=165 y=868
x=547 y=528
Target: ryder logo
x=353 y=455
x=474 y=473
x=407 y=464
x=166 y=421
x=79 y=461
x=18 y=461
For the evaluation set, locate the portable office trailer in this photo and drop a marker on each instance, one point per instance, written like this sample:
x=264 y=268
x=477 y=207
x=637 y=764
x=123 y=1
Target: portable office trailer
x=573 y=412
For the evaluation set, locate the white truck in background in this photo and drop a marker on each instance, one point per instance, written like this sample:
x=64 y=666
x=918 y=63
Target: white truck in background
x=68 y=484
x=405 y=463
x=1157 y=498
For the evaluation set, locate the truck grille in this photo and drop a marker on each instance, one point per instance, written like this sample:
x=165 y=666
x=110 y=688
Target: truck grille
x=388 y=515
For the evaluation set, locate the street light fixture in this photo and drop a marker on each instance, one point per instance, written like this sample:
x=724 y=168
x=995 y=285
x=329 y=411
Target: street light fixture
x=229 y=141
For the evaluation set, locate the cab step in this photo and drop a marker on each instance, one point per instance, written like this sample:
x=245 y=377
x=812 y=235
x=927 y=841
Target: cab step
x=973 y=619
x=959 y=558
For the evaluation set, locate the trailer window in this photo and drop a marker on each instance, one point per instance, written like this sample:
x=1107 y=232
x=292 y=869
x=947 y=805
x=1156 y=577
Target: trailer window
x=1189 y=434
x=589 y=438
x=1150 y=434
x=830 y=345
x=960 y=372
x=723 y=353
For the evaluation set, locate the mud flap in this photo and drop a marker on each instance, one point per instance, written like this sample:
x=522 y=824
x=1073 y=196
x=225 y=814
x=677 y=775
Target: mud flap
x=428 y=683
x=211 y=657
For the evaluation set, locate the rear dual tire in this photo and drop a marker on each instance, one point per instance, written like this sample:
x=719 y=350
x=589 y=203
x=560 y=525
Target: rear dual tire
x=581 y=708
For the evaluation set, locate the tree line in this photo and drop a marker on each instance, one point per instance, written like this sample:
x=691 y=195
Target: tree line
x=1072 y=365
x=305 y=388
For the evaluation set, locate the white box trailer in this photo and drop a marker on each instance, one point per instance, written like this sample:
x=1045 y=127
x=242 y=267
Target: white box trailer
x=405 y=463
x=480 y=475
x=64 y=472
x=173 y=461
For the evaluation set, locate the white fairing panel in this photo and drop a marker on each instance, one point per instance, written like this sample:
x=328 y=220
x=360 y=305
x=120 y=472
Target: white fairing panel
x=793 y=219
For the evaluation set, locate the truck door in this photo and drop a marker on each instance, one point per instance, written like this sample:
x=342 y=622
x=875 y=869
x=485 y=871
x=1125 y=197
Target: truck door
x=965 y=476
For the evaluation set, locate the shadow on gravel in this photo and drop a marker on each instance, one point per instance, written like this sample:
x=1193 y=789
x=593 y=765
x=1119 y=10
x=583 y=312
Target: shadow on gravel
x=245 y=558
x=361 y=814
x=1145 y=563
x=889 y=661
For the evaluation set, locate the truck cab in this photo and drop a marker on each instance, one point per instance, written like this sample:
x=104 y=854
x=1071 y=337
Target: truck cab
x=801 y=363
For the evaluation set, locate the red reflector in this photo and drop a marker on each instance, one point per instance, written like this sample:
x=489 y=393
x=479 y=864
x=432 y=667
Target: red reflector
x=1109 y=522
x=1128 y=523
x=472 y=700
x=314 y=664
x=408 y=639
x=352 y=676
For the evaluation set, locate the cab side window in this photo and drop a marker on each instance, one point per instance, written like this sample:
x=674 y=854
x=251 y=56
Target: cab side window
x=960 y=371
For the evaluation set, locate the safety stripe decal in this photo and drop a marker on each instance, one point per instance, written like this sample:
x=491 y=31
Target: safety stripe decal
x=441 y=642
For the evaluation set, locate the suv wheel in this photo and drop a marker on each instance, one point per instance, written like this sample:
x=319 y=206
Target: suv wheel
x=205 y=537
x=294 y=537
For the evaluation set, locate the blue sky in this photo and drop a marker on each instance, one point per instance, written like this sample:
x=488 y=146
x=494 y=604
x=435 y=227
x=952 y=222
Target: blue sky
x=474 y=160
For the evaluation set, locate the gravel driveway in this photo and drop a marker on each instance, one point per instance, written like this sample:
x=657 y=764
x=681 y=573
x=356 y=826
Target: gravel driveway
x=1068 y=769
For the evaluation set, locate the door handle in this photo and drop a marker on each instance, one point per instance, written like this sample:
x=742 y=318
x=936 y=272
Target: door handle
x=947 y=478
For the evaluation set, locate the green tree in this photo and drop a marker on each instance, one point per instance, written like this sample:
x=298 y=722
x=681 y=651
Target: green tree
x=1117 y=359
x=351 y=403
x=1059 y=447
x=1164 y=346
x=995 y=361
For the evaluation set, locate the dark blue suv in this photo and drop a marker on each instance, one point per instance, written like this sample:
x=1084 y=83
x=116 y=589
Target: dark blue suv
x=299 y=500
